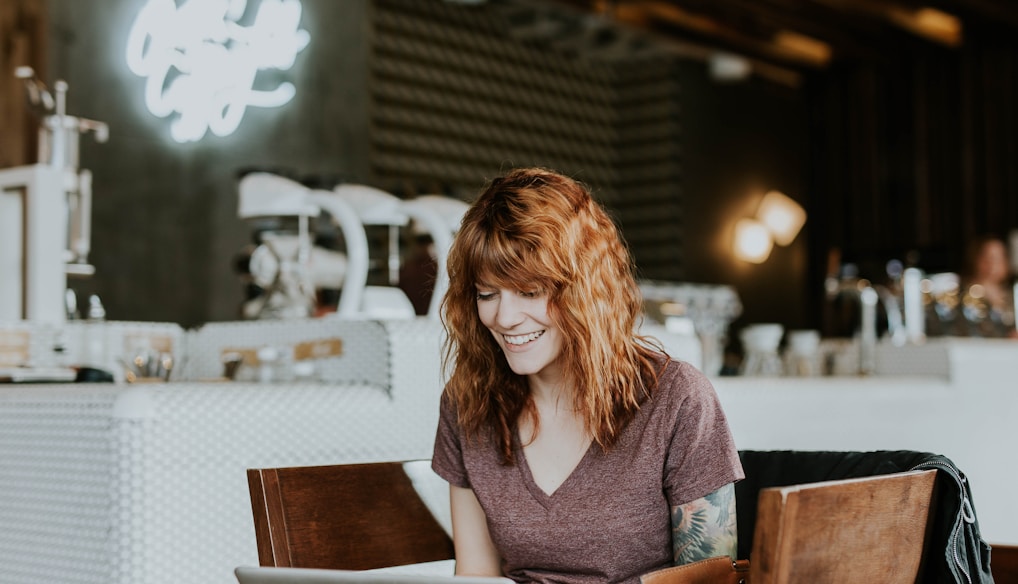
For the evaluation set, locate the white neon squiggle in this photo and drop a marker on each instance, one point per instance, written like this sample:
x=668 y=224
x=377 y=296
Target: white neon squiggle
x=201 y=64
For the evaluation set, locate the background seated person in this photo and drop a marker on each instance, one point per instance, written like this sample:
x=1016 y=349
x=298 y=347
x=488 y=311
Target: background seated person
x=987 y=289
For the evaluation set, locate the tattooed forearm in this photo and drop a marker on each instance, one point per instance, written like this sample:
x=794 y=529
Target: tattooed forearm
x=705 y=528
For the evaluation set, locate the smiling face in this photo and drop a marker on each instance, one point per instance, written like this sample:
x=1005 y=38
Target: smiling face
x=537 y=230
x=521 y=325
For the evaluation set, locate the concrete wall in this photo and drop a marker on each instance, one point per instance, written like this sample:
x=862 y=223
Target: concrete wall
x=165 y=221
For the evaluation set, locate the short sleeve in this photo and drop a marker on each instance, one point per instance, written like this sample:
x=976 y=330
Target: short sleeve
x=701 y=456
x=447 y=458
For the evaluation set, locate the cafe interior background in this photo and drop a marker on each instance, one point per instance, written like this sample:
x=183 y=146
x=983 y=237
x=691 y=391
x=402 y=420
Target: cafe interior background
x=897 y=141
x=890 y=124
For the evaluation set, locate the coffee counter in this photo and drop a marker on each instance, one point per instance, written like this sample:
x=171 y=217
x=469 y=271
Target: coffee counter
x=969 y=414
x=145 y=483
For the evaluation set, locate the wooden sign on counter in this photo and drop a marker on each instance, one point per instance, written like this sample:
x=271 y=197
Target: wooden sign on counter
x=13 y=348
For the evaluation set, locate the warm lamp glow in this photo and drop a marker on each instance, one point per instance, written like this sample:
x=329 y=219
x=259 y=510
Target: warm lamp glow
x=804 y=47
x=752 y=241
x=782 y=216
x=930 y=23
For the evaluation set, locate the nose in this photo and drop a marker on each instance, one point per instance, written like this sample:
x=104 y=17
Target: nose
x=509 y=312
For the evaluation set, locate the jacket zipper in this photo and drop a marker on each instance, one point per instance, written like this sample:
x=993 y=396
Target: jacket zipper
x=966 y=506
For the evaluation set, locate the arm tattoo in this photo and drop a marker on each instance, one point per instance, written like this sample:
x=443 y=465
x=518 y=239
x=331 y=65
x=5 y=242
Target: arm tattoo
x=705 y=528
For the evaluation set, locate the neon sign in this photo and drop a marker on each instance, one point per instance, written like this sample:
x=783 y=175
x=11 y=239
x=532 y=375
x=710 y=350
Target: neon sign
x=201 y=64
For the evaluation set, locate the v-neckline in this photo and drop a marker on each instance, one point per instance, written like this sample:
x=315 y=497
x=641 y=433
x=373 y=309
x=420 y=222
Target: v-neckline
x=542 y=497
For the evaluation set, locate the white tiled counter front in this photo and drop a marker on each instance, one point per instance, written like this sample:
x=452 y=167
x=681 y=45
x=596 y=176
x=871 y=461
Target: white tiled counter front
x=969 y=415
x=146 y=484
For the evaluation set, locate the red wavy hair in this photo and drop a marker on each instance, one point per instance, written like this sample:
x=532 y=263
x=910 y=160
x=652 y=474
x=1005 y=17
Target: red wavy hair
x=537 y=229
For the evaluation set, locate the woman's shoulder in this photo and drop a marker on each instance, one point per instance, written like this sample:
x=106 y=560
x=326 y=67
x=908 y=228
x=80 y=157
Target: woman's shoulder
x=676 y=370
x=679 y=380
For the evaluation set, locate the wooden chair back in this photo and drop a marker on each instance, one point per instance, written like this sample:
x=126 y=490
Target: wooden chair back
x=869 y=529
x=1004 y=564
x=351 y=517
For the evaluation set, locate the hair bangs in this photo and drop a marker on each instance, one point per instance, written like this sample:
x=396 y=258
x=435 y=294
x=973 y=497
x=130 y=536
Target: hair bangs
x=509 y=262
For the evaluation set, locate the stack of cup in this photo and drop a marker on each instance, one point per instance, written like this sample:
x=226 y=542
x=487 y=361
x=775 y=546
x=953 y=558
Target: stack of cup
x=802 y=353
x=760 y=343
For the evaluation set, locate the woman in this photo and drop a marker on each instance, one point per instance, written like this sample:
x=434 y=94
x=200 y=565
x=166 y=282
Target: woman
x=574 y=449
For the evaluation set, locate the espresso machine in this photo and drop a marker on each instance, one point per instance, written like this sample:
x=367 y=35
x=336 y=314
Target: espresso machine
x=283 y=263
x=46 y=212
x=288 y=268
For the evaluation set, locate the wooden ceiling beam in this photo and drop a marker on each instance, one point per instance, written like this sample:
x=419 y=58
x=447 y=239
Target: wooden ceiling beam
x=689 y=47
x=911 y=16
x=761 y=29
x=1001 y=12
x=855 y=29
x=848 y=33
x=662 y=16
x=849 y=30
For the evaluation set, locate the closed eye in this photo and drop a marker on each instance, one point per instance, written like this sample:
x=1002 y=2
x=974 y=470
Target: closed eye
x=483 y=295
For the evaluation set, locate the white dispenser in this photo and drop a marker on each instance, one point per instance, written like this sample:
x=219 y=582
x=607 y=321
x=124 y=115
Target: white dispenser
x=46 y=212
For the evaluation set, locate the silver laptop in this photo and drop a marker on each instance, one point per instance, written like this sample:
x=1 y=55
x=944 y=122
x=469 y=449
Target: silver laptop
x=267 y=575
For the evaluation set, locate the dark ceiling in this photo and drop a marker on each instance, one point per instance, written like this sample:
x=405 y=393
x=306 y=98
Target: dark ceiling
x=777 y=39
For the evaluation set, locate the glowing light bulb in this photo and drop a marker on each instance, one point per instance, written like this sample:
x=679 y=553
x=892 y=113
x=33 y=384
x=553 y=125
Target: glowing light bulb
x=752 y=241
x=782 y=216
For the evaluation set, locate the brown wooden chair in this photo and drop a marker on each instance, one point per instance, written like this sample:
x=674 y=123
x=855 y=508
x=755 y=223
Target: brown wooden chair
x=869 y=529
x=1004 y=564
x=352 y=517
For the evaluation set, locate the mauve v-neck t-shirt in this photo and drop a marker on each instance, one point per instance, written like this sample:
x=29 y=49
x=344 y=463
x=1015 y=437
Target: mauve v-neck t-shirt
x=610 y=520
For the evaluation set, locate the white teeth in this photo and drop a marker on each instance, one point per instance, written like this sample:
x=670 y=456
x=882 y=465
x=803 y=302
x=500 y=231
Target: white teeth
x=521 y=339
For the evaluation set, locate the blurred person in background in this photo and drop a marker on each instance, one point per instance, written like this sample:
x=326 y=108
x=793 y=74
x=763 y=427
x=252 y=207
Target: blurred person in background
x=988 y=289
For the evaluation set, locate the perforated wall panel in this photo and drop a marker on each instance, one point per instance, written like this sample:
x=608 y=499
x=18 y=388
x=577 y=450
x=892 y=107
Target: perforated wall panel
x=649 y=165
x=460 y=93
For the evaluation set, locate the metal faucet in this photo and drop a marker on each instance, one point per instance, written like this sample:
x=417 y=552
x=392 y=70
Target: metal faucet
x=863 y=293
x=895 y=315
x=905 y=317
x=915 y=313
x=868 y=296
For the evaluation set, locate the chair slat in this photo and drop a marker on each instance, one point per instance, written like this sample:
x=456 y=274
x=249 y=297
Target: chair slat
x=351 y=517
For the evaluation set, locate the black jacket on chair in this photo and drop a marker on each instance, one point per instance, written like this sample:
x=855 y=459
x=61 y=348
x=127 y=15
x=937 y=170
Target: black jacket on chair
x=965 y=558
